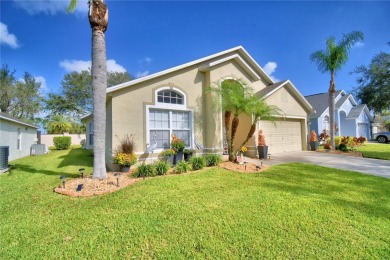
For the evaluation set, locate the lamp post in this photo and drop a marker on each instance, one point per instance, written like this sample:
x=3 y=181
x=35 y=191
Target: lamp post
x=117 y=175
x=81 y=170
x=63 y=177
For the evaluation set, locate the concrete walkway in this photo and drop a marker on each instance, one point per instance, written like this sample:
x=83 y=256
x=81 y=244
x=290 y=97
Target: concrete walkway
x=344 y=162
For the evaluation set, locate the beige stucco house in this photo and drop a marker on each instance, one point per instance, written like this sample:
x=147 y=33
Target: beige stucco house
x=175 y=101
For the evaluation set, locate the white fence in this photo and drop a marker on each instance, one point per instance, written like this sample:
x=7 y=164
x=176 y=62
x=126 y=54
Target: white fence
x=77 y=139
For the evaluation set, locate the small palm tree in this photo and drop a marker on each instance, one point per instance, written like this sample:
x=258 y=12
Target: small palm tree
x=260 y=110
x=331 y=60
x=58 y=125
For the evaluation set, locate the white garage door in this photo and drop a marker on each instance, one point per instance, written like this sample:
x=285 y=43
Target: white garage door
x=363 y=129
x=283 y=136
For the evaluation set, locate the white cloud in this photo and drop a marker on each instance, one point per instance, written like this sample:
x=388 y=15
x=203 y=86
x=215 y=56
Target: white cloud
x=141 y=74
x=270 y=68
x=145 y=61
x=52 y=7
x=79 y=65
x=112 y=66
x=8 y=38
x=44 y=89
x=359 y=45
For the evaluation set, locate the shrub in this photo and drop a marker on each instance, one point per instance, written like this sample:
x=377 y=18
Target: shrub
x=177 y=144
x=361 y=139
x=324 y=136
x=162 y=167
x=168 y=152
x=182 y=166
x=62 y=142
x=146 y=170
x=125 y=159
x=261 y=139
x=327 y=146
x=343 y=147
x=127 y=144
x=313 y=136
x=337 y=141
x=188 y=152
x=213 y=159
x=197 y=163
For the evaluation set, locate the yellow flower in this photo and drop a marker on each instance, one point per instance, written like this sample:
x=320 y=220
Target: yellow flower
x=244 y=149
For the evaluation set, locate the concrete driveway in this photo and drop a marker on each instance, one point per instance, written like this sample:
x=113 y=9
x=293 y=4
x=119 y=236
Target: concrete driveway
x=344 y=162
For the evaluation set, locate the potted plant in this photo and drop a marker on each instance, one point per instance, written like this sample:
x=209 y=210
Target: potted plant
x=125 y=160
x=242 y=151
x=168 y=155
x=178 y=146
x=188 y=153
x=262 y=148
x=313 y=141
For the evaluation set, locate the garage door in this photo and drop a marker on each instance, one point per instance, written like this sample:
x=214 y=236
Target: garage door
x=283 y=136
x=363 y=130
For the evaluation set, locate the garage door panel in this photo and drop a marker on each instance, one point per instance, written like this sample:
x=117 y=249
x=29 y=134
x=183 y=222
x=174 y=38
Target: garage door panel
x=283 y=136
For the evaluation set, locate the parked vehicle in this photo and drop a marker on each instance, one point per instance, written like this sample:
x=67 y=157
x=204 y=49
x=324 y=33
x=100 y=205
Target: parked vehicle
x=381 y=137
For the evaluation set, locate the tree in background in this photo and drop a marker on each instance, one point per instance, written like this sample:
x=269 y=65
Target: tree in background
x=76 y=97
x=331 y=60
x=20 y=98
x=374 y=83
x=58 y=125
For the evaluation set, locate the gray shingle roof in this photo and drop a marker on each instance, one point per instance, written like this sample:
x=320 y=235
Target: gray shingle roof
x=320 y=102
x=355 y=111
x=270 y=88
x=7 y=117
x=341 y=101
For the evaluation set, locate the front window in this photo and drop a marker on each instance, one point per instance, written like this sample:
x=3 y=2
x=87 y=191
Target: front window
x=170 y=97
x=164 y=123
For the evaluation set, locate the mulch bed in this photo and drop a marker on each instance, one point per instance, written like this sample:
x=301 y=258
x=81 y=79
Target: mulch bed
x=94 y=187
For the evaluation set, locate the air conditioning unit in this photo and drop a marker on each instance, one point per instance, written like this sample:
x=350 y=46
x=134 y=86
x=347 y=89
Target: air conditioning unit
x=4 y=153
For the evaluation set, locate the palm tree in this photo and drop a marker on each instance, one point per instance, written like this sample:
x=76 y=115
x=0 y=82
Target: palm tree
x=235 y=98
x=98 y=19
x=58 y=125
x=331 y=60
x=260 y=111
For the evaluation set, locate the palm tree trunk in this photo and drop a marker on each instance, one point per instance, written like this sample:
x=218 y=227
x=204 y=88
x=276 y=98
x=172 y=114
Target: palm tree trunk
x=249 y=136
x=332 y=90
x=98 y=19
x=232 y=155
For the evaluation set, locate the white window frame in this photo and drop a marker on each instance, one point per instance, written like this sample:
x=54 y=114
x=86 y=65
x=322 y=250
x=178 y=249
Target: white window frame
x=170 y=107
x=326 y=123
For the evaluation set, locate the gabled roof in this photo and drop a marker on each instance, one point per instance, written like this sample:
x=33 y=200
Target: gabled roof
x=239 y=54
x=320 y=102
x=343 y=99
x=269 y=90
x=357 y=110
x=9 y=118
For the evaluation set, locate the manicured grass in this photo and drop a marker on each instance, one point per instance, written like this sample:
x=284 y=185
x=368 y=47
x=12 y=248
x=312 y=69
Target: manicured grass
x=375 y=150
x=288 y=211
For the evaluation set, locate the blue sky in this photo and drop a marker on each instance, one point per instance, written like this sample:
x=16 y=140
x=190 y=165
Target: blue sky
x=145 y=37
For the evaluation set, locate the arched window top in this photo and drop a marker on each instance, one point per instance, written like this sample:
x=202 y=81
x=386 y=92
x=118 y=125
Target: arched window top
x=168 y=96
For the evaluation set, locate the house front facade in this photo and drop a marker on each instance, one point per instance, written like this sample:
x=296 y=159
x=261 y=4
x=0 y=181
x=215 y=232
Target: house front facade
x=176 y=101
x=351 y=119
x=17 y=135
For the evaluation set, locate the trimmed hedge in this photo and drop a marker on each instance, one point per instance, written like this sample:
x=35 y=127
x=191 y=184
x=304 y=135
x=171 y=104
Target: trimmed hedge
x=62 y=142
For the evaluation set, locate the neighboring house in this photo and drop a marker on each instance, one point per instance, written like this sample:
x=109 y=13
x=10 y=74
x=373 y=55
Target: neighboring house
x=175 y=101
x=18 y=135
x=351 y=119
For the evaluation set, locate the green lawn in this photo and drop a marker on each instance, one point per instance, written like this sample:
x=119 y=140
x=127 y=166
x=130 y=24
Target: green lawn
x=289 y=211
x=375 y=150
